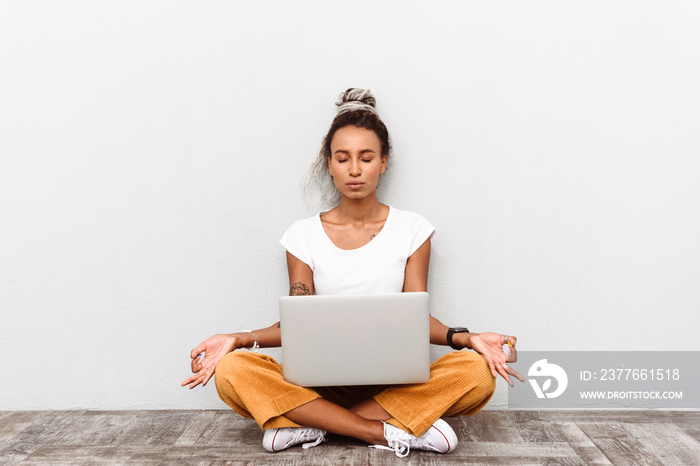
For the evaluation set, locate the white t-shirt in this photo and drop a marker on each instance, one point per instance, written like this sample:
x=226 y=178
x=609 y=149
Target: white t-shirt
x=377 y=267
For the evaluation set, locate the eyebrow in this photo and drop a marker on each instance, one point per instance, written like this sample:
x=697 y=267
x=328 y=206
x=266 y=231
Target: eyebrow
x=363 y=151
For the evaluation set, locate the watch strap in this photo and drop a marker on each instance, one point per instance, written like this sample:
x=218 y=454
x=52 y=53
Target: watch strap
x=451 y=331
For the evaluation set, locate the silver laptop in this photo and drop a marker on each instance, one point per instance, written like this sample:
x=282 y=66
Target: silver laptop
x=332 y=340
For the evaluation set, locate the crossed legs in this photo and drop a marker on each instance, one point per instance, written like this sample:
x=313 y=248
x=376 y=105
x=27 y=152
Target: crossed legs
x=253 y=385
x=362 y=421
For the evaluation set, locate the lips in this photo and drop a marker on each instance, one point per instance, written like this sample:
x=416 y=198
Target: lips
x=355 y=184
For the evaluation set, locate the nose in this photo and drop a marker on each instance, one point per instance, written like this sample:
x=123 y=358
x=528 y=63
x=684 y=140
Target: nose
x=355 y=169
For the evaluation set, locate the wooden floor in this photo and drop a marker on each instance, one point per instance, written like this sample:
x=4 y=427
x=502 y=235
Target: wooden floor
x=222 y=437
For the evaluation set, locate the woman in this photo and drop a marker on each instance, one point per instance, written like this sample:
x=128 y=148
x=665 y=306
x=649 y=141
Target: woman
x=389 y=251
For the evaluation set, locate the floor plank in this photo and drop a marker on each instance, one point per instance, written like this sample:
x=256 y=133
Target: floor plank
x=34 y=435
x=536 y=427
x=92 y=454
x=196 y=427
x=92 y=428
x=221 y=437
x=14 y=422
x=487 y=426
x=154 y=428
x=220 y=428
x=618 y=445
x=689 y=425
x=667 y=442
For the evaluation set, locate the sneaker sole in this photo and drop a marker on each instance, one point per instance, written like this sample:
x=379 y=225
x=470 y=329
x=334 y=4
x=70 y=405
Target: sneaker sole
x=271 y=446
x=447 y=433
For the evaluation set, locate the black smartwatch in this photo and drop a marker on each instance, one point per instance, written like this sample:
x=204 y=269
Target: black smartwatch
x=452 y=331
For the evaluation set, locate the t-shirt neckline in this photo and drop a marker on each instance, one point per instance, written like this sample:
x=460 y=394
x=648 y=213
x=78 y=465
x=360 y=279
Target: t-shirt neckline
x=373 y=240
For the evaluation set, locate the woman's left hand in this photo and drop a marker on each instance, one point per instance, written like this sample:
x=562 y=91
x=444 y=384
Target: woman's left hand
x=490 y=346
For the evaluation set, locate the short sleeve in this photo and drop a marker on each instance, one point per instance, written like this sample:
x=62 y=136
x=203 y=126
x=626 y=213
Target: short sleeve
x=297 y=242
x=421 y=231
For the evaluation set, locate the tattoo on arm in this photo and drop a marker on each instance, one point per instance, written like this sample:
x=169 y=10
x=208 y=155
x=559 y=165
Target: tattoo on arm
x=299 y=289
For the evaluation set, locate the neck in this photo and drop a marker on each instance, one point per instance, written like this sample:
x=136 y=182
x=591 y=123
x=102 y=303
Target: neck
x=360 y=210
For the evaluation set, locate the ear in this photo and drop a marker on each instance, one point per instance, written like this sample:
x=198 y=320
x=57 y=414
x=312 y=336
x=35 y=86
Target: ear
x=382 y=168
x=328 y=159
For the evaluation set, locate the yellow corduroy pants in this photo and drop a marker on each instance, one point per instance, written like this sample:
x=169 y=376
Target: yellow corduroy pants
x=460 y=384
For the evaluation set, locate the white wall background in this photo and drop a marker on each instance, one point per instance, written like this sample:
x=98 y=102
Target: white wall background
x=152 y=154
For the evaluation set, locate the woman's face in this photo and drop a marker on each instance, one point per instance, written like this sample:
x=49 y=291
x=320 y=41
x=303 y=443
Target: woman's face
x=356 y=161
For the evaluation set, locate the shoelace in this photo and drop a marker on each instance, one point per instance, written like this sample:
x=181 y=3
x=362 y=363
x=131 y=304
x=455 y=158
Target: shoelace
x=308 y=435
x=400 y=447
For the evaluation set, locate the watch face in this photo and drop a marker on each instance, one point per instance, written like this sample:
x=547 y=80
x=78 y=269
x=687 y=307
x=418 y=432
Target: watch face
x=460 y=329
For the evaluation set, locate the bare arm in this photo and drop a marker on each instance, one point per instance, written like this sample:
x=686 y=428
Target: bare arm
x=301 y=282
x=301 y=278
x=416 y=279
x=489 y=345
x=207 y=355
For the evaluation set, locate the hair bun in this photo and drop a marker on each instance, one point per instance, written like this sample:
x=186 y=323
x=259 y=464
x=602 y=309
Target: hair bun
x=363 y=96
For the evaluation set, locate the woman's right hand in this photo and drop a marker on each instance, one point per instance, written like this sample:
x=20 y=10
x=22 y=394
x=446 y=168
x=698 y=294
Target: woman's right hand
x=214 y=348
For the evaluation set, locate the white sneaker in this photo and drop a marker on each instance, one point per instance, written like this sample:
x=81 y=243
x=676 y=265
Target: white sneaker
x=284 y=437
x=440 y=438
